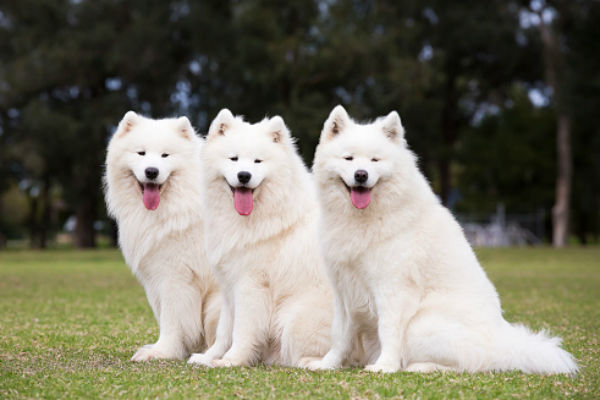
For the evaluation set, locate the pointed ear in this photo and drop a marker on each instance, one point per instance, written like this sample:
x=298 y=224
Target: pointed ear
x=184 y=127
x=392 y=126
x=337 y=121
x=127 y=123
x=222 y=122
x=277 y=129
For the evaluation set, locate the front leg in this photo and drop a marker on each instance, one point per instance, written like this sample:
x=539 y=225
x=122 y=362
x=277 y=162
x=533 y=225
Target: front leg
x=222 y=339
x=178 y=322
x=250 y=324
x=395 y=308
x=343 y=332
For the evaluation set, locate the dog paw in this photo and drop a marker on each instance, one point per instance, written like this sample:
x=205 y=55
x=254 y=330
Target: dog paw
x=425 y=367
x=386 y=369
x=317 y=365
x=147 y=353
x=200 y=359
x=222 y=363
x=305 y=361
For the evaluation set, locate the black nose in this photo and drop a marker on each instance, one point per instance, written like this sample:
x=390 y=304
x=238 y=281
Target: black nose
x=151 y=172
x=361 y=176
x=244 y=176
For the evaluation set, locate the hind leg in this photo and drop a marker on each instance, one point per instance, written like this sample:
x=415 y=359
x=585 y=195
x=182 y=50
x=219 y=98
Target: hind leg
x=435 y=342
x=306 y=330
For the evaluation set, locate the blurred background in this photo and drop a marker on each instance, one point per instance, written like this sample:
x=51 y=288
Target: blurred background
x=500 y=99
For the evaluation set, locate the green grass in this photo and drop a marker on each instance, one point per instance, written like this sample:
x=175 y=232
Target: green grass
x=70 y=321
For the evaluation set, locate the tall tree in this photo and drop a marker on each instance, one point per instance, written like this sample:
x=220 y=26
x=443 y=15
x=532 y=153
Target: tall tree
x=554 y=62
x=584 y=75
x=473 y=52
x=85 y=64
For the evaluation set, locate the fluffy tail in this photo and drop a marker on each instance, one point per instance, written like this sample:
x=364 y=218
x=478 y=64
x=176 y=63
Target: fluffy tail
x=536 y=353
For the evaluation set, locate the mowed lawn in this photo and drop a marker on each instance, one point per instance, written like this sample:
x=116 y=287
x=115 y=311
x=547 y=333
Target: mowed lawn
x=70 y=321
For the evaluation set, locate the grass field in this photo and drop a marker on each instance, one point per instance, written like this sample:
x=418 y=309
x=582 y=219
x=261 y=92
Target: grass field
x=70 y=321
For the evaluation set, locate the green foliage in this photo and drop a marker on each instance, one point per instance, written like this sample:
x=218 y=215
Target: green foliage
x=69 y=70
x=70 y=322
x=509 y=158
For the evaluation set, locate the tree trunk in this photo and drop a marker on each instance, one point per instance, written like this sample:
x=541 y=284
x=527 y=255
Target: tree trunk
x=114 y=233
x=84 y=228
x=560 y=211
x=449 y=134
x=46 y=209
x=2 y=234
x=32 y=219
x=554 y=67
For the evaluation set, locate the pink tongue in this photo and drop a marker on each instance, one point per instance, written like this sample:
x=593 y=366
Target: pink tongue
x=242 y=200
x=151 y=196
x=361 y=197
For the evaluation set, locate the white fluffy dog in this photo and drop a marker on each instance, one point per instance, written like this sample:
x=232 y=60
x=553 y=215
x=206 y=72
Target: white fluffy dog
x=261 y=240
x=401 y=262
x=152 y=188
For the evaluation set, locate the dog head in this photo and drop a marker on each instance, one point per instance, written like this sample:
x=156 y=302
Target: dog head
x=245 y=157
x=146 y=153
x=359 y=158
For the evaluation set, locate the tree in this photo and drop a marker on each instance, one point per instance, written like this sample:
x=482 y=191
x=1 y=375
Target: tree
x=85 y=64
x=565 y=29
x=477 y=57
x=499 y=163
x=554 y=63
x=69 y=70
x=584 y=97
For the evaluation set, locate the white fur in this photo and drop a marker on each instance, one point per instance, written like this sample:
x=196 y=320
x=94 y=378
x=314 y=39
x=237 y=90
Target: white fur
x=276 y=298
x=164 y=248
x=403 y=265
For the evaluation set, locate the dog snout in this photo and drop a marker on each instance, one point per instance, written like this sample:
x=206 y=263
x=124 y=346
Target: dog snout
x=244 y=177
x=151 y=172
x=361 y=176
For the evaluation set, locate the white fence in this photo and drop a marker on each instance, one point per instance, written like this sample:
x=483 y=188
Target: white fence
x=501 y=229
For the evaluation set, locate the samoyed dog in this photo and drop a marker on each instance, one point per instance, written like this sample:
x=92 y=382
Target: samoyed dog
x=400 y=261
x=152 y=189
x=262 y=224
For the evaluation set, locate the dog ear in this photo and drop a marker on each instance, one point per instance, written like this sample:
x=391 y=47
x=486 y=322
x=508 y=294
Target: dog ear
x=184 y=127
x=336 y=122
x=222 y=122
x=127 y=123
x=277 y=129
x=392 y=126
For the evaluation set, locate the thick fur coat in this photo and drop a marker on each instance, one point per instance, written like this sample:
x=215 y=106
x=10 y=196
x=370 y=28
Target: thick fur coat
x=152 y=189
x=400 y=262
x=262 y=243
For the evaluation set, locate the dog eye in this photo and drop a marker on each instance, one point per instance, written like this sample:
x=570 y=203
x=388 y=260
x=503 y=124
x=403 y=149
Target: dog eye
x=142 y=153
x=257 y=161
x=374 y=159
x=349 y=158
x=233 y=158
x=164 y=155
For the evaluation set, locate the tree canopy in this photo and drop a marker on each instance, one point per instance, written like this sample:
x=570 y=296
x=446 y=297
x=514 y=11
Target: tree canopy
x=469 y=79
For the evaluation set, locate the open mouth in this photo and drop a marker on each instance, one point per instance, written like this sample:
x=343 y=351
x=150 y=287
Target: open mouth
x=150 y=194
x=243 y=199
x=360 y=196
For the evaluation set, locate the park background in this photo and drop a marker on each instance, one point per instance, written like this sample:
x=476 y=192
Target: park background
x=500 y=99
